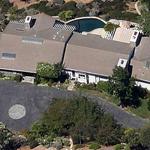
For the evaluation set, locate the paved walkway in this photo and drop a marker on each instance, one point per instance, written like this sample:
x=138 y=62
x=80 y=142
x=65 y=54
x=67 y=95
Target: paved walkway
x=35 y=100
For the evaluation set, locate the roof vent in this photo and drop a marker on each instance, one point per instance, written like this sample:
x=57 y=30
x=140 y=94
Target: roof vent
x=147 y=64
x=122 y=63
x=28 y=21
x=134 y=36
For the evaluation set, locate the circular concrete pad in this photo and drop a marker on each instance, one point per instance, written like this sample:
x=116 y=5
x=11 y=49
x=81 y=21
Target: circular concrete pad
x=17 y=111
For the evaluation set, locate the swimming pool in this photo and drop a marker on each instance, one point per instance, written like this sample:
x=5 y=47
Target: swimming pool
x=86 y=24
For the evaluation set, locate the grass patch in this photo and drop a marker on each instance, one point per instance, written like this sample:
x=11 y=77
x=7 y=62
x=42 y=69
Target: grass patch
x=103 y=95
x=142 y=110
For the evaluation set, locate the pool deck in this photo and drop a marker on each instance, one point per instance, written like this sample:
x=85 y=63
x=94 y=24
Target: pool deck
x=99 y=31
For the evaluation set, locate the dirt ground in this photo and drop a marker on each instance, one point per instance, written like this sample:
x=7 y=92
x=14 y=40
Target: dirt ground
x=131 y=7
x=21 y=4
x=102 y=148
x=80 y=1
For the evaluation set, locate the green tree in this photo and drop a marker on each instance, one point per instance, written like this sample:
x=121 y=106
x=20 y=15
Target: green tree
x=9 y=140
x=79 y=118
x=103 y=86
x=13 y=13
x=48 y=71
x=148 y=104
x=146 y=3
x=3 y=22
x=5 y=136
x=4 y=6
x=145 y=137
x=145 y=23
x=69 y=14
x=123 y=86
x=66 y=15
x=132 y=137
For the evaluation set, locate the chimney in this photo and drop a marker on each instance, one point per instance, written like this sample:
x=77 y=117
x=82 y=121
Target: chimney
x=134 y=38
x=28 y=21
x=122 y=63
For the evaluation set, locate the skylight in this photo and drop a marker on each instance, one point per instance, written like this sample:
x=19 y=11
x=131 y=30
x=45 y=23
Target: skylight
x=8 y=56
x=147 y=64
x=33 y=40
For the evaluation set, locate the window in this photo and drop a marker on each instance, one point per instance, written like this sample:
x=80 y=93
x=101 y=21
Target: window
x=73 y=73
x=8 y=56
x=82 y=76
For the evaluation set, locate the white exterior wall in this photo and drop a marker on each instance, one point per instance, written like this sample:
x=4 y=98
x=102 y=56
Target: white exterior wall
x=81 y=79
x=92 y=79
x=143 y=84
x=103 y=79
x=96 y=79
x=78 y=76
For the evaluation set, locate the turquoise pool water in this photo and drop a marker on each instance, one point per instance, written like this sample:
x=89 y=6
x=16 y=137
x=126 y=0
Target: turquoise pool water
x=87 y=24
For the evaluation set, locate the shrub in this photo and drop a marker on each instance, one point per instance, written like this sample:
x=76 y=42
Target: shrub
x=32 y=143
x=37 y=80
x=110 y=27
x=148 y=104
x=102 y=86
x=73 y=117
x=124 y=15
x=66 y=15
x=78 y=146
x=127 y=147
x=77 y=84
x=90 y=86
x=50 y=83
x=48 y=71
x=119 y=147
x=69 y=6
x=145 y=137
x=2 y=75
x=94 y=146
x=131 y=136
x=18 y=78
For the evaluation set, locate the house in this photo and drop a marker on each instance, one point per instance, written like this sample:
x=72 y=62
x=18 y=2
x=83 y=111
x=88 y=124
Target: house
x=127 y=35
x=141 y=63
x=89 y=58
x=25 y=43
x=41 y=38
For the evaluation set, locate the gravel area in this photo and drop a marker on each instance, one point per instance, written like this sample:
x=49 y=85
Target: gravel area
x=35 y=101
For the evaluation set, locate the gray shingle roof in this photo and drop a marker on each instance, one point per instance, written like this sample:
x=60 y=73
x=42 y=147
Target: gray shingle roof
x=95 y=42
x=43 y=43
x=142 y=51
x=28 y=54
x=94 y=55
x=140 y=60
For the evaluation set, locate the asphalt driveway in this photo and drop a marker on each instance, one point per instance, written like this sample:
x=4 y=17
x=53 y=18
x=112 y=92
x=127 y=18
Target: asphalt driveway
x=36 y=100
